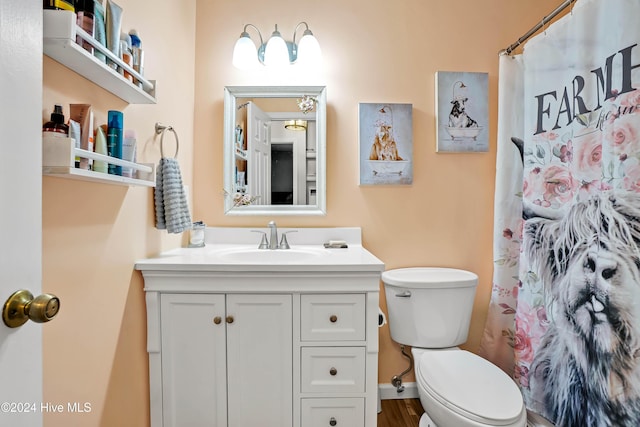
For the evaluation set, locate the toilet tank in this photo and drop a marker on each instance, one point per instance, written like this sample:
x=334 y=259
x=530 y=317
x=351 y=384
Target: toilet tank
x=429 y=307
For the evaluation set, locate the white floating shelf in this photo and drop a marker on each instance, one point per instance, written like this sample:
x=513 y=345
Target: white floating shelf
x=59 y=43
x=58 y=159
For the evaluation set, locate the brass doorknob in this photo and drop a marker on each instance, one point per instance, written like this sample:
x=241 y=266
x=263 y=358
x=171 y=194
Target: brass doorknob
x=229 y=319
x=217 y=320
x=22 y=306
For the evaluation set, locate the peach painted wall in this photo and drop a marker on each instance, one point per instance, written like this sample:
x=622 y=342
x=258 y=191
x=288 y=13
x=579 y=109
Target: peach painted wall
x=95 y=349
x=374 y=51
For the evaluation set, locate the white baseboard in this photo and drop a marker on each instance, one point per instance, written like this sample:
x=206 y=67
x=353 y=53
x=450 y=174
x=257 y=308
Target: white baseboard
x=388 y=391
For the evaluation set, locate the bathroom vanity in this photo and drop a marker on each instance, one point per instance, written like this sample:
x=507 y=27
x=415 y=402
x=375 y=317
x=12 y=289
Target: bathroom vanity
x=240 y=336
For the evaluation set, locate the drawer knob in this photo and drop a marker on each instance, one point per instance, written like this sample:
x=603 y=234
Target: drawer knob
x=333 y=318
x=229 y=319
x=217 y=320
x=333 y=422
x=333 y=371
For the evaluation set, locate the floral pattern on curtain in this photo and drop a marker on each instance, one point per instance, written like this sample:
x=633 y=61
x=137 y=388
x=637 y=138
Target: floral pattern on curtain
x=500 y=337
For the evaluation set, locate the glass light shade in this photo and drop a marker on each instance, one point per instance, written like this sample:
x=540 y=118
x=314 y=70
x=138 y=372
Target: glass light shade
x=295 y=124
x=309 y=53
x=245 y=55
x=276 y=53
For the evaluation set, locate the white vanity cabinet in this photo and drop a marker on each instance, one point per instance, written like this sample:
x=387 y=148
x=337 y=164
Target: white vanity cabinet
x=207 y=339
x=254 y=342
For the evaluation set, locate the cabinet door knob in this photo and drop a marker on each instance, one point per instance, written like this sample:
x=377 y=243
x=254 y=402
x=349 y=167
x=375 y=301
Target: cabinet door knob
x=229 y=319
x=333 y=371
x=217 y=320
x=333 y=422
x=333 y=318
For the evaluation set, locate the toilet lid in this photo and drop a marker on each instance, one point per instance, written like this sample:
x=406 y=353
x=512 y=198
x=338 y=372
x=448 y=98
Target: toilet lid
x=470 y=385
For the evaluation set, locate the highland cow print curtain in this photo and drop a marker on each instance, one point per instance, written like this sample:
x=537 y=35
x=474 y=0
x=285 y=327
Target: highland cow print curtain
x=575 y=289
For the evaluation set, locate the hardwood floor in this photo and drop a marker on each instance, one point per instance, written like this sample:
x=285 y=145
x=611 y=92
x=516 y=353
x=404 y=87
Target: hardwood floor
x=400 y=413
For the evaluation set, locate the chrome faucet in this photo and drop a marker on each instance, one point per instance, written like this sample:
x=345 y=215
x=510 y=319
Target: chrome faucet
x=273 y=241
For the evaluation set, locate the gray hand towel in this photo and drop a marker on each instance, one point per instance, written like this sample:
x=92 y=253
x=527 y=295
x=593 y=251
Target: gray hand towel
x=172 y=211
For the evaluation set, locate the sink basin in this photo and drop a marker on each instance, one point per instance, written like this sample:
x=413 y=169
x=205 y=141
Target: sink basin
x=254 y=255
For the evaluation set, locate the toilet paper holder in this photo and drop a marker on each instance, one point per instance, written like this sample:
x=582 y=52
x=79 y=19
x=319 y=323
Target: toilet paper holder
x=382 y=319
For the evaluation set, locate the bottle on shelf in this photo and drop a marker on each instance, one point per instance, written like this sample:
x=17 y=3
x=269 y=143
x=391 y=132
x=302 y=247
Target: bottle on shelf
x=99 y=29
x=101 y=148
x=125 y=55
x=56 y=127
x=59 y=5
x=137 y=53
x=114 y=139
x=85 y=20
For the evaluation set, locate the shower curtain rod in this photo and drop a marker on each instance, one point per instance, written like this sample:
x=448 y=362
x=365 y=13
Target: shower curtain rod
x=532 y=31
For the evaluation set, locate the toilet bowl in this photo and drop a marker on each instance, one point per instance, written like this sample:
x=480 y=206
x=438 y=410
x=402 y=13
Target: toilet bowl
x=458 y=388
x=430 y=309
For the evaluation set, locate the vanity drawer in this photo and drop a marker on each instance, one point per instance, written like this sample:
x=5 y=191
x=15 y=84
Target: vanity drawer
x=332 y=412
x=333 y=369
x=334 y=317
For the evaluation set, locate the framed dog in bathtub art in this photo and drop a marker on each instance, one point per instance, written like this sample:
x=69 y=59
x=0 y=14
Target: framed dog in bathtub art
x=462 y=112
x=386 y=143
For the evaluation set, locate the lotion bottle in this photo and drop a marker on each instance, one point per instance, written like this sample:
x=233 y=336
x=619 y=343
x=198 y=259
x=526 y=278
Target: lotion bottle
x=101 y=148
x=129 y=152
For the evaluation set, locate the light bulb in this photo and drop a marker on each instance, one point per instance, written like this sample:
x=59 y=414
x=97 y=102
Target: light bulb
x=276 y=53
x=309 y=53
x=245 y=55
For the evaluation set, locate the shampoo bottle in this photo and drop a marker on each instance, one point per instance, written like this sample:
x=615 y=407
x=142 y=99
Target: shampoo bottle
x=114 y=139
x=56 y=127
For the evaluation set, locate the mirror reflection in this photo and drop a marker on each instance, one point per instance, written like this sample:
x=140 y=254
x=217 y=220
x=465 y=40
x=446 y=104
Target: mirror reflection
x=274 y=150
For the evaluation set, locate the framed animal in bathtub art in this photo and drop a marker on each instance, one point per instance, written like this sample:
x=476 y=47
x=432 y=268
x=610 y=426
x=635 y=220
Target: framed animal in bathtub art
x=462 y=112
x=386 y=144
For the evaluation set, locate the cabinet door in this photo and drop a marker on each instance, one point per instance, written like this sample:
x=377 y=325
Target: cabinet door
x=259 y=352
x=193 y=360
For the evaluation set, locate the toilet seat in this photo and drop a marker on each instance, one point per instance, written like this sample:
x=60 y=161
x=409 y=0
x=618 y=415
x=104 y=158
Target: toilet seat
x=470 y=386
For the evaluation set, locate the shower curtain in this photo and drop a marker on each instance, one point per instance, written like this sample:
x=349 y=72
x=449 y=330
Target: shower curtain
x=564 y=317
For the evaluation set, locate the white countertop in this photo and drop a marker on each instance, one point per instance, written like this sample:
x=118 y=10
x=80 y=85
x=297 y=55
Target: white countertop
x=307 y=253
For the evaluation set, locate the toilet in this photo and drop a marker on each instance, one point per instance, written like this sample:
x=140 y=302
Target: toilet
x=429 y=309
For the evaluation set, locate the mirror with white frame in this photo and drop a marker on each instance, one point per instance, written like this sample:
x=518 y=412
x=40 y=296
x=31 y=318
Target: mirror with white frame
x=275 y=150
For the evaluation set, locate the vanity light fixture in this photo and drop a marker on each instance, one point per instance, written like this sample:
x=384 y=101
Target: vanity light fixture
x=276 y=52
x=295 y=124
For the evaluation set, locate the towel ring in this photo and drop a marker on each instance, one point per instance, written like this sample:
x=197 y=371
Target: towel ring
x=160 y=130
